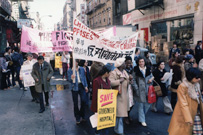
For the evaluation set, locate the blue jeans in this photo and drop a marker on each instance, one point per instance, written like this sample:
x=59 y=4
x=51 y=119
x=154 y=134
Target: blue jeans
x=17 y=70
x=142 y=111
x=119 y=129
x=78 y=113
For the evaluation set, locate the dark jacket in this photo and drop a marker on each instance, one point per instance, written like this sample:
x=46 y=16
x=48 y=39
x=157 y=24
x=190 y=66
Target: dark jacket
x=98 y=83
x=177 y=77
x=47 y=73
x=87 y=73
x=140 y=84
x=82 y=78
x=172 y=51
x=17 y=59
x=157 y=77
x=197 y=53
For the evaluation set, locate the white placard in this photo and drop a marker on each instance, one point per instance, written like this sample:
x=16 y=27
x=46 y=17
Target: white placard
x=27 y=77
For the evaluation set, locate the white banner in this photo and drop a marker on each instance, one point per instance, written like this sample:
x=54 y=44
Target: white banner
x=91 y=46
x=27 y=77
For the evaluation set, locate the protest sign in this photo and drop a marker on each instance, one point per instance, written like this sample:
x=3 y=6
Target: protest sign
x=35 y=41
x=89 y=45
x=27 y=77
x=62 y=41
x=58 y=62
x=107 y=102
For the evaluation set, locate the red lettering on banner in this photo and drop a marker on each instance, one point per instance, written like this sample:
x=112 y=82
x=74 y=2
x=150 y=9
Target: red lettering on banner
x=106 y=99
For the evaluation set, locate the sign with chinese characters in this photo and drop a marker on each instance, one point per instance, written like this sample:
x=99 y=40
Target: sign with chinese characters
x=91 y=46
x=82 y=13
x=107 y=102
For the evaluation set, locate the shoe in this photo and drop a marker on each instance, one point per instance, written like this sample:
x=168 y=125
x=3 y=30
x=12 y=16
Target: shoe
x=21 y=88
x=126 y=120
x=143 y=124
x=83 y=120
x=47 y=104
x=41 y=110
x=77 y=122
x=33 y=100
x=37 y=100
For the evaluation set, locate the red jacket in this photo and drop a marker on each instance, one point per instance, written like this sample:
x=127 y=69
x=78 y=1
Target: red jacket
x=98 y=83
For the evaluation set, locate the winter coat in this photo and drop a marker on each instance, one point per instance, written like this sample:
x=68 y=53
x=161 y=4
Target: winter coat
x=178 y=75
x=47 y=73
x=185 y=110
x=140 y=84
x=188 y=65
x=82 y=78
x=17 y=59
x=122 y=99
x=201 y=69
x=98 y=83
x=157 y=77
x=197 y=53
x=87 y=74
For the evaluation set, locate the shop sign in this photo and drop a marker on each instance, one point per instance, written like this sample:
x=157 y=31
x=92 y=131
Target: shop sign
x=127 y=18
x=82 y=13
x=25 y=22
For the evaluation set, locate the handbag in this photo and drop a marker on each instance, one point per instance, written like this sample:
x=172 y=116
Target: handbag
x=201 y=108
x=151 y=95
x=157 y=89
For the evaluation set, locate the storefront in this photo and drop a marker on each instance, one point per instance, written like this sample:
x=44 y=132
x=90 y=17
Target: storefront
x=172 y=21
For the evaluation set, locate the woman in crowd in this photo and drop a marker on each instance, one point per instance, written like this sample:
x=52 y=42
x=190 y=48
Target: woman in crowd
x=119 y=80
x=129 y=70
x=189 y=62
x=65 y=62
x=10 y=67
x=101 y=82
x=158 y=77
x=143 y=78
x=172 y=59
x=4 y=71
x=84 y=64
x=148 y=61
x=178 y=75
x=187 y=106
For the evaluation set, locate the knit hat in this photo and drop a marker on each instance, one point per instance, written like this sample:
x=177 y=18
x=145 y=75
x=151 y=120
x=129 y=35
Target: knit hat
x=189 y=56
x=119 y=62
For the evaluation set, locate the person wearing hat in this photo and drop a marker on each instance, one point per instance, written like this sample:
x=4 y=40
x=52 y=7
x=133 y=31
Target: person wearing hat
x=42 y=73
x=30 y=62
x=198 y=51
x=142 y=78
x=119 y=80
x=189 y=62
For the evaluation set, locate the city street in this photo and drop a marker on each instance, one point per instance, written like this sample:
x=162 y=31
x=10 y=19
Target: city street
x=20 y=116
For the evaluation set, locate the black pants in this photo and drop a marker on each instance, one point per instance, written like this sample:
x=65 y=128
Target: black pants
x=33 y=92
x=173 y=99
x=3 y=81
x=41 y=99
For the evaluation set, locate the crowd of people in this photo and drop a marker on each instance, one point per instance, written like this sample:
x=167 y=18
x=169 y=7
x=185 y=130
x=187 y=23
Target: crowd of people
x=132 y=80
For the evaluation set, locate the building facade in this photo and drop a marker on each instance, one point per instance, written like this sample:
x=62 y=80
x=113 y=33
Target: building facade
x=68 y=15
x=167 y=21
x=103 y=13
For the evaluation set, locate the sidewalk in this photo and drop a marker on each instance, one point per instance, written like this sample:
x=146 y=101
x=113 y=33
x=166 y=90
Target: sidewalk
x=19 y=116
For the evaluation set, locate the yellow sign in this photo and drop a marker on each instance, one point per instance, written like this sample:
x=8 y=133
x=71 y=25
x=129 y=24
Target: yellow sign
x=58 y=62
x=59 y=87
x=107 y=102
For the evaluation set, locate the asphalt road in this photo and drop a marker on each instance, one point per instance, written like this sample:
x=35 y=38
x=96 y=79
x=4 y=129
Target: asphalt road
x=64 y=121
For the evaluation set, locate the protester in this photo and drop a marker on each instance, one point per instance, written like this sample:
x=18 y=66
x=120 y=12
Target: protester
x=95 y=69
x=110 y=66
x=158 y=77
x=187 y=106
x=42 y=73
x=83 y=64
x=200 y=66
x=65 y=63
x=101 y=82
x=10 y=67
x=198 y=51
x=79 y=87
x=148 y=61
x=172 y=59
x=137 y=55
x=178 y=76
x=30 y=62
x=143 y=78
x=190 y=50
x=129 y=70
x=174 y=49
x=189 y=62
x=17 y=62
x=3 y=64
x=119 y=80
